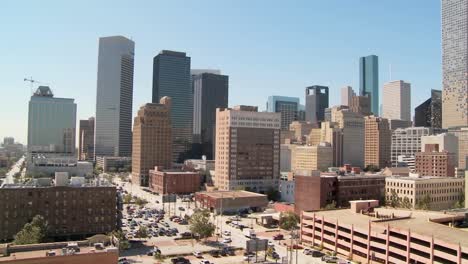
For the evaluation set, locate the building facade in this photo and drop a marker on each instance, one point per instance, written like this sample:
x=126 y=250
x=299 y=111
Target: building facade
x=352 y=127
x=360 y=105
x=429 y=113
x=172 y=78
x=152 y=146
x=441 y=193
x=301 y=129
x=347 y=94
x=174 y=181
x=287 y=106
x=210 y=91
x=406 y=142
x=316 y=98
x=247 y=149
x=369 y=81
x=331 y=133
x=79 y=211
x=441 y=142
x=396 y=100
x=462 y=135
x=377 y=144
x=231 y=201
x=454 y=63
x=438 y=164
x=86 y=139
x=114 y=97
x=316 y=157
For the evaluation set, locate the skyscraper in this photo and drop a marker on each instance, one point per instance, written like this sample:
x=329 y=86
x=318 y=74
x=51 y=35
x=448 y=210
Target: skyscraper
x=361 y=105
x=152 y=145
x=396 y=100
x=51 y=123
x=316 y=102
x=378 y=138
x=287 y=106
x=86 y=139
x=352 y=127
x=347 y=94
x=171 y=77
x=369 y=80
x=429 y=113
x=210 y=91
x=454 y=63
x=114 y=97
x=247 y=149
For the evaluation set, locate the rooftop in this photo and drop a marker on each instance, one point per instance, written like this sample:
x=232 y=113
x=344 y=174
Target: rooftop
x=418 y=222
x=42 y=253
x=232 y=194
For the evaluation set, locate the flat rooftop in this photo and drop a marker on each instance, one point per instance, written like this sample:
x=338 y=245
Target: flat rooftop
x=232 y=194
x=418 y=222
x=42 y=253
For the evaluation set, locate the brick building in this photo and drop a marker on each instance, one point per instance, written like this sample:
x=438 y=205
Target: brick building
x=377 y=142
x=69 y=211
x=231 y=201
x=174 y=181
x=438 y=164
x=152 y=145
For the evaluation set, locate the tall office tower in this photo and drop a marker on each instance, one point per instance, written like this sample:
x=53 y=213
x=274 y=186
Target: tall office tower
x=210 y=91
x=406 y=142
x=247 y=149
x=86 y=139
x=396 y=100
x=454 y=63
x=316 y=102
x=152 y=144
x=114 y=99
x=331 y=133
x=378 y=138
x=171 y=77
x=361 y=105
x=287 y=106
x=347 y=94
x=369 y=80
x=429 y=113
x=352 y=126
x=51 y=123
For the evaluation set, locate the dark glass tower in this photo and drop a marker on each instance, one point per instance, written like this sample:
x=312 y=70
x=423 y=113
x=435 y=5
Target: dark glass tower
x=369 y=81
x=210 y=91
x=316 y=102
x=429 y=113
x=171 y=77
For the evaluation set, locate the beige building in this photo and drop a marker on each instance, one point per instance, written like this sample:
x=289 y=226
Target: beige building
x=247 y=149
x=331 y=133
x=441 y=192
x=462 y=134
x=317 y=157
x=378 y=139
x=301 y=129
x=151 y=140
x=314 y=136
x=352 y=126
x=396 y=100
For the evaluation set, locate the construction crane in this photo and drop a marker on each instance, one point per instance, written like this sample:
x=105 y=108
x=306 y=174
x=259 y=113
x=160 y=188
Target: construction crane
x=31 y=83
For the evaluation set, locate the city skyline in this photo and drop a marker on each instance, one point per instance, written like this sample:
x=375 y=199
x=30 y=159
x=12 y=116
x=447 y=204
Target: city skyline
x=75 y=77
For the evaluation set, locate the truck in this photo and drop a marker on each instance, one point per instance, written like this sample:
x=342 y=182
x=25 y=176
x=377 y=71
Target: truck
x=250 y=233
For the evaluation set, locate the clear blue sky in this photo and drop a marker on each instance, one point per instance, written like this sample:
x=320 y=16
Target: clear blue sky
x=267 y=47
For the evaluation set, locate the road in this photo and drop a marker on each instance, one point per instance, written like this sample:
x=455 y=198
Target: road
x=14 y=169
x=168 y=245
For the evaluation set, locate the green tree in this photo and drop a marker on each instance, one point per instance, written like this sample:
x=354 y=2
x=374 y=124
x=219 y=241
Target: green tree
x=200 y=224
x=424 y=203
x=461 y=201
x=140 y=201
x=142 y=232
x=406 y=203
x=394 y=200
x=371 y=168
x=273 y=194
x=288 y=221
x=32 y=233
x=127 y=198
x=330 y=206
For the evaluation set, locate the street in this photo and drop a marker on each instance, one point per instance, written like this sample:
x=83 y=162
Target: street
x=14 y=169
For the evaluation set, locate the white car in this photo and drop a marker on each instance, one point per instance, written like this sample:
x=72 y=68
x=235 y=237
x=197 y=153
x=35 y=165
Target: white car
x=227 y=233
x=197 y=254
x=227 y=240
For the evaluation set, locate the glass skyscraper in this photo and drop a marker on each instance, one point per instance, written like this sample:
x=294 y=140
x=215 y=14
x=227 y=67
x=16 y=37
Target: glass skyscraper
x=171 y=77
x=369 y=80
x=210 y=91
x=316 y=101
x=429 y=113
x=287 y=106
x=51 y=123
x=454 y=63
x=114 y=97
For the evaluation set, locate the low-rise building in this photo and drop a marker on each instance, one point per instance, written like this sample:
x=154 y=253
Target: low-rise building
x=387 y=235
x=439 y=164
x=49 y=164
x=174 y=181
x=109 y=163
x=71 y=210
x=231 y=201
x=434 y=193
x=286 y=189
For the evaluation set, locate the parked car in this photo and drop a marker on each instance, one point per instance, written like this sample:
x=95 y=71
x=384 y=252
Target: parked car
x=227 y=233
x=330 y=259
x=227 y=240
x=197 y=254
x=278 y=237
x=180 y=260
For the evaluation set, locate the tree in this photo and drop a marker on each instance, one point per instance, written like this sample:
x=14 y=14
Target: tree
x=330 y=206
x=461 y=201
x=200 y=224
x=273 y=194
x=394 y=200
x=424 y=203
x=140 y=201
x=371 y=168
x=288 y=221
x=127 y=198
x=406 y=203
x=142 y=232
x=33 y=232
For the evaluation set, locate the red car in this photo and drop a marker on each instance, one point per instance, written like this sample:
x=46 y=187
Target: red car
x=278 y=237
